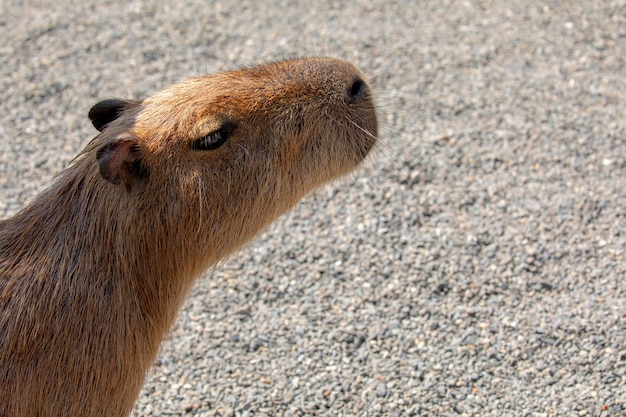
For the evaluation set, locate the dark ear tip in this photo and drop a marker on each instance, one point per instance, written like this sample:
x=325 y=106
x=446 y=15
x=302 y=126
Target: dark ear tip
x=104 y=112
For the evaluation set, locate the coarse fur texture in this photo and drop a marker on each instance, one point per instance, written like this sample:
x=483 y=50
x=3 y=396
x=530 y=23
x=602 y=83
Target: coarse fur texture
x=94 y=270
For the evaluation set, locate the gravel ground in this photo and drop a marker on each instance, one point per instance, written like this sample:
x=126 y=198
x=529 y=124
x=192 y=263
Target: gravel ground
x=475 y=266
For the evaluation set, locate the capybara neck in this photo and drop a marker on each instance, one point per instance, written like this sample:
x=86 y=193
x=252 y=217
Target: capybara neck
x=94 y=270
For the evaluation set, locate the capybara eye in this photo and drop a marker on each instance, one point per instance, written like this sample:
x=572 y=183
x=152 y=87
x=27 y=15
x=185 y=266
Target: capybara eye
x=214 y=139
x=211 y=141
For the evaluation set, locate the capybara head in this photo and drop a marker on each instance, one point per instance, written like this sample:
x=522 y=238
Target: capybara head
x=232 y=151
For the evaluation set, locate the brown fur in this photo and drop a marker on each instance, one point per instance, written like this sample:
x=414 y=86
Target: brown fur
x=93 y=272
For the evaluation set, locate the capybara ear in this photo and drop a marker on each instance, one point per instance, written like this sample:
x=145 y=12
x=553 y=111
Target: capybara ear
x=104 y=112
x=121 y=162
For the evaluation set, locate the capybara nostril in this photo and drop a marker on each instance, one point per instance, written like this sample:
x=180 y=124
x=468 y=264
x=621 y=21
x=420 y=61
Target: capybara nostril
x=357 y=90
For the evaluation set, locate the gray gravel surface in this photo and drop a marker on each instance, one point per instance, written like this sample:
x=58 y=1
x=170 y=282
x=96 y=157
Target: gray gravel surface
x=475 y=266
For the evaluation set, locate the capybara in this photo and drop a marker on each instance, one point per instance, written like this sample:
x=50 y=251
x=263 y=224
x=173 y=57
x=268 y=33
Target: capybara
x=95 y=268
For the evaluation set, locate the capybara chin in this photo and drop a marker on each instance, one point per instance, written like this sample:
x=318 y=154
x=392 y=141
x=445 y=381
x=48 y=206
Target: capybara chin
x=93 y=271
